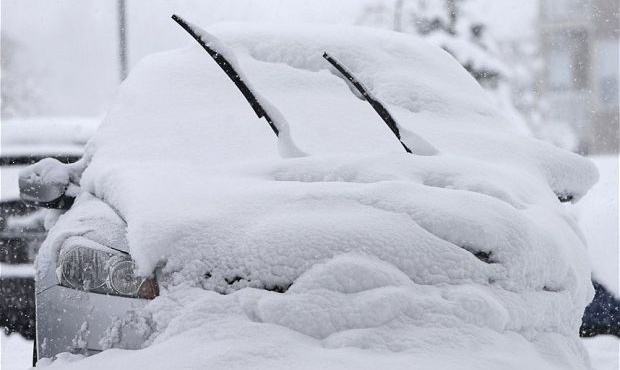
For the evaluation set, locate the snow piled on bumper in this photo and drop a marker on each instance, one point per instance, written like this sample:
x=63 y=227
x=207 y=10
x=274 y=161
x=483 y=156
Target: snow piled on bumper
x=357 y=256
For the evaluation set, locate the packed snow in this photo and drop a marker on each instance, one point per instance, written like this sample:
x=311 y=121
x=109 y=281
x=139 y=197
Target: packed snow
x=51 y=172
x=357 y=255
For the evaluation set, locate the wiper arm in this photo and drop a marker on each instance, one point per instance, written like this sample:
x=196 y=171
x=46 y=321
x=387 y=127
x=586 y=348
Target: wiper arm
x=228 y=66
x=376 y=104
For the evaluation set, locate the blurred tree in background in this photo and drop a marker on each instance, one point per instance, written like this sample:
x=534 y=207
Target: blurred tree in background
x=19 y=95
x=508 y=70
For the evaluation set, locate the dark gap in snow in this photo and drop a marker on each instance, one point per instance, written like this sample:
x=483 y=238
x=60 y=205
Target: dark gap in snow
x=33 y=158
x=547 y=288
x=484 y=257
x=564 y=198
x=233 y=280
x=481 y=255
x=238 y=282
x=278 y=288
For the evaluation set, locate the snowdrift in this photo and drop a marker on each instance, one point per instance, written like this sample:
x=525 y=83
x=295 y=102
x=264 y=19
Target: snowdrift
x=357 y=255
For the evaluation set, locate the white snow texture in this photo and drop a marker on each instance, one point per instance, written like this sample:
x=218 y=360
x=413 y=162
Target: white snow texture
x=461 y=259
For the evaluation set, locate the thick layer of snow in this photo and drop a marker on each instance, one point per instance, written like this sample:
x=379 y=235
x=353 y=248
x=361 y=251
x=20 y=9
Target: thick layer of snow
x=52 y=173
x=460 y=259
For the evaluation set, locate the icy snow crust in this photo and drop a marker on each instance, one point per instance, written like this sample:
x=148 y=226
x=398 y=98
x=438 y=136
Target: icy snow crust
x=462 y=259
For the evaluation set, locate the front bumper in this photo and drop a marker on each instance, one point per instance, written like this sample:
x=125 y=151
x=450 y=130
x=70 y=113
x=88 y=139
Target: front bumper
x=75 y=321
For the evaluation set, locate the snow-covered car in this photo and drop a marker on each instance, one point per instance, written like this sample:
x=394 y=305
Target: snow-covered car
x=200 y=237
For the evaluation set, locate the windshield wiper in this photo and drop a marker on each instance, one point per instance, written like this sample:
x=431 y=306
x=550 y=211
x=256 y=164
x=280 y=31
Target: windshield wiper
x=228 y=66
x=376 y=104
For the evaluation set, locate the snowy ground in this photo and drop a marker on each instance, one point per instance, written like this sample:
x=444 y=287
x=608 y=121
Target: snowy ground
x=598 y=213
x=15 y=352
x=604 y=352
x=598 y=218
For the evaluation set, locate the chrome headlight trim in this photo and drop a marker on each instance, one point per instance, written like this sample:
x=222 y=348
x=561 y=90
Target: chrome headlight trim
x=84 y=268
x=104 y=272
x=121 y=277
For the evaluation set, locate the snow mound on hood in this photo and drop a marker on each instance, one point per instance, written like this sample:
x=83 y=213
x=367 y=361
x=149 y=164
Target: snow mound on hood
x=358 y=255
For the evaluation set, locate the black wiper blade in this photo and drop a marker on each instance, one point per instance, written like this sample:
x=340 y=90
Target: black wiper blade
x=376 y=104
x=229 y=69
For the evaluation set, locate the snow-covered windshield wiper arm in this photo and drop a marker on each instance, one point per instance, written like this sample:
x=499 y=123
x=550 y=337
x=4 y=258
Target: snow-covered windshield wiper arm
x=227 y=66
x=376 y=104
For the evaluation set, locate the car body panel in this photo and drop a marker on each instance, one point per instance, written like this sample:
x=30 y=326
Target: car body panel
x=75 y=321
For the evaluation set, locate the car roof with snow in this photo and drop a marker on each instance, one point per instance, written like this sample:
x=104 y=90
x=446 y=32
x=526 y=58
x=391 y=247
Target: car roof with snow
x=370 y=243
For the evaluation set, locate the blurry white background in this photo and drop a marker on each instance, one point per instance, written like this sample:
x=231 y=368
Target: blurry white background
x=67 y=50
x=557 y=61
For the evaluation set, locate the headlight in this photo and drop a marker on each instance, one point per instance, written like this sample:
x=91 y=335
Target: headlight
x=122 y=278
x=103 y=272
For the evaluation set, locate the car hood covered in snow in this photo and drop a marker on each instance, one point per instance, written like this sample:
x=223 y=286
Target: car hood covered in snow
x=357 y=255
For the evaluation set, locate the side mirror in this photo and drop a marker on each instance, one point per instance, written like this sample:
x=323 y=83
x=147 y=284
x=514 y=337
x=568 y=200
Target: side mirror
x=45 y=184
